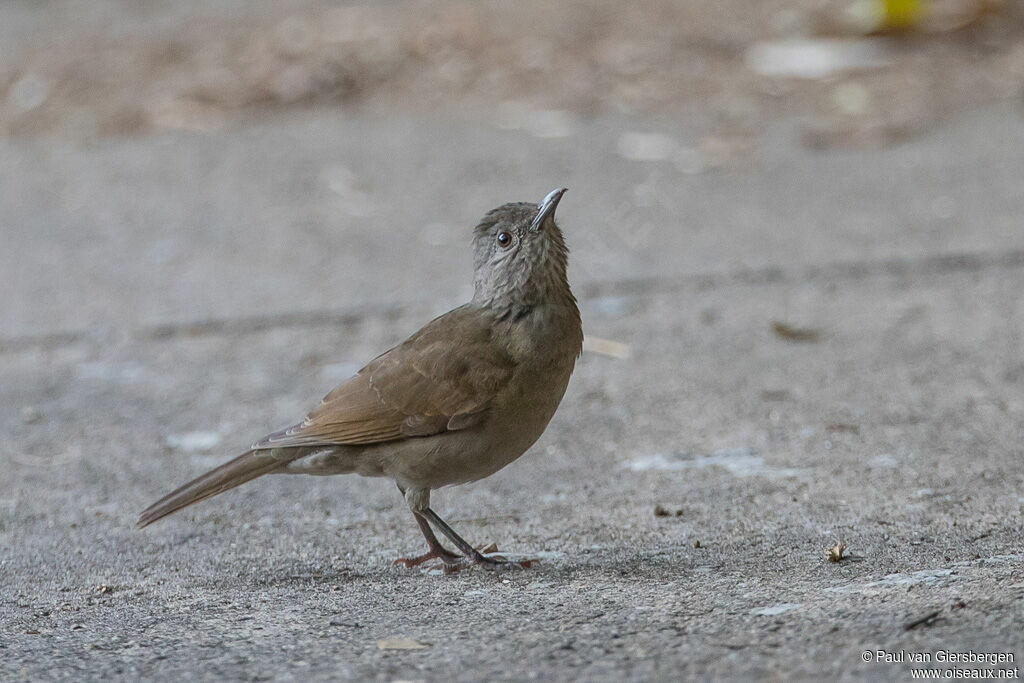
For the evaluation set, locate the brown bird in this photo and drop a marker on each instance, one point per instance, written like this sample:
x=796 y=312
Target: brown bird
x=455 y=402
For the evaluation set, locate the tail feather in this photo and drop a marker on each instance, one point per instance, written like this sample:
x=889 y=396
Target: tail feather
x=233 y=473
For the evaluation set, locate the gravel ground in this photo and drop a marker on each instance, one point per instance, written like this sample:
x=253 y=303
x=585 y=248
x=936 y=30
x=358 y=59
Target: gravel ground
x=824 y=347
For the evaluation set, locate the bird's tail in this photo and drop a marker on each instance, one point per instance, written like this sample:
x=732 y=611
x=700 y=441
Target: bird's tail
x=234 y=473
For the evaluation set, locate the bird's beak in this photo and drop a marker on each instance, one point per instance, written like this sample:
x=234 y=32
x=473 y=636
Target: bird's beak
x=547 y=208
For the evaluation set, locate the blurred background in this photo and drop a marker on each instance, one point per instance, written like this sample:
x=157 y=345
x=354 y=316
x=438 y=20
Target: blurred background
x=797 y=243
x=165 y=161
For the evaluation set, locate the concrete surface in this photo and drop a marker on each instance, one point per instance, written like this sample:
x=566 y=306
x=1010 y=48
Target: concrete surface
x=169 y=298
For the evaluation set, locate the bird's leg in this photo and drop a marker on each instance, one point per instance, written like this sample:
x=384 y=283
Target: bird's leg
x=461 y=543
x=436 y=550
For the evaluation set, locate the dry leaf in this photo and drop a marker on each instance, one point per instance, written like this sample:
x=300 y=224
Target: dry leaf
x=836 y=553
x=662 y=511
x=401 y=643
x=605 y=347
x=800 y=334
x=775 y=395
x=842 y=427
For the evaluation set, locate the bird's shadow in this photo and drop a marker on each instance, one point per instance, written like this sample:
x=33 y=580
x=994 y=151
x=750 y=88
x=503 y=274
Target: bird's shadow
x=612 y=563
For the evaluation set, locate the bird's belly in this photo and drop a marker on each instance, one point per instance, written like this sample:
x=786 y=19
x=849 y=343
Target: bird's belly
x=463 y=456
x=501 y=448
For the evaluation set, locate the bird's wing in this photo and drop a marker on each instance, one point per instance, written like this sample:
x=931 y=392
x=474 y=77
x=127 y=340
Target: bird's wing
x=443 y=378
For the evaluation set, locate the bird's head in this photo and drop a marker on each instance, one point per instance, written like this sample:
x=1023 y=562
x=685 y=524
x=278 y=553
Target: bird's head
x=519 y=255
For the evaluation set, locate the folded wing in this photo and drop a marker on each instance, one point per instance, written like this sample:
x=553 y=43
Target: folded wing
x=429 y=384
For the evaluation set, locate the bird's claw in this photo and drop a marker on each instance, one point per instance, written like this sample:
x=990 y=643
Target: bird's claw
x=446 y=557
x=452 y=563
x=489 y=559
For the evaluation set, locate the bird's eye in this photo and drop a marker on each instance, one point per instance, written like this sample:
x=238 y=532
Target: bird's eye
x=504 y=239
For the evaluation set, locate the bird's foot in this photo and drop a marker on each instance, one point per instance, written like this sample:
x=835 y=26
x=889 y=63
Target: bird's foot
x=449 y=559
x=499 y=563
x=451 y=563
x=489 y=558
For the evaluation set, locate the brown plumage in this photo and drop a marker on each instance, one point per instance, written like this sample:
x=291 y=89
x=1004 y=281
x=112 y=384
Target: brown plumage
x=458 y=400
x=427 y=385
x=233 y=473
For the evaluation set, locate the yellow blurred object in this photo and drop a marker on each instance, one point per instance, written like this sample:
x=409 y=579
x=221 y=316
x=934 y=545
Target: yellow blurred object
x=874 y=16
x=901 y=14
x=865 y=17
